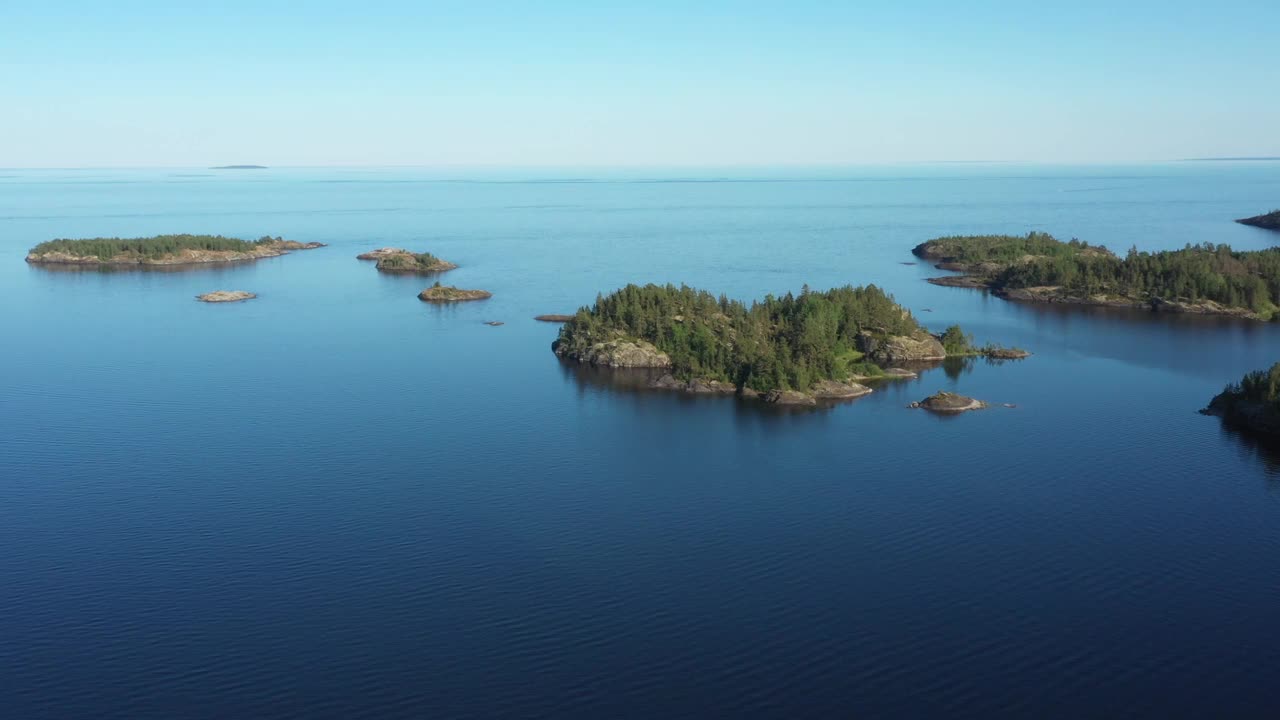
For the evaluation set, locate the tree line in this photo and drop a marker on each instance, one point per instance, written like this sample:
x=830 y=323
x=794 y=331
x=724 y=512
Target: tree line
x=1245 y=279
x=149 y=247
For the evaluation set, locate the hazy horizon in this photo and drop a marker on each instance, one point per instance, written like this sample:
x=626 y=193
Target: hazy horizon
x=574 y=85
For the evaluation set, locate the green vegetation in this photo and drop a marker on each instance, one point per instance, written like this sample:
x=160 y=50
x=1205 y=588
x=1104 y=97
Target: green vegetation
x=1254 y=402
x=150 y=247
x=1260 y=386
x=780 y=343
x=971 y=249
x=409 y=262
x=958 y=344
x=1195 y=274
x=1249 y=280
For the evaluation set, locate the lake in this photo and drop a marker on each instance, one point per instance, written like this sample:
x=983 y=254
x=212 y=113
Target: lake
x=337 y=501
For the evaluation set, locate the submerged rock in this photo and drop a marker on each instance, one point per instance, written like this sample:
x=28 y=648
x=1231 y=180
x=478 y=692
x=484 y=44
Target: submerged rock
x=1006 y=353
x=222 y=296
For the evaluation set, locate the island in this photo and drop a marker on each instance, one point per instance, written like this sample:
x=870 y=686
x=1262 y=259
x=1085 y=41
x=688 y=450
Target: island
x=1203 y=279
x=447 y=294
x=947 y=403
x=794 y=349
x=161 y=250
x=239 y=167
x=399 y=260
x=1253 y=403
x=1269 y=221
x=224 y=296
x=553 y=318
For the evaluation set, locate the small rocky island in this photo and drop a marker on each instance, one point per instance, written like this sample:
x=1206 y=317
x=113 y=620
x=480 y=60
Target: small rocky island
x=789 y=350
x=447 y=294
x=1253 y=403
x=1198 y=279
x=161 y=250
x=1269 y=221
x=553 y=318
x=225 y=296
x=948 y=403
x=399 y=260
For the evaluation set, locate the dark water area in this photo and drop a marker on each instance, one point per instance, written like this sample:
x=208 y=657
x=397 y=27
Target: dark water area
x=338 y=501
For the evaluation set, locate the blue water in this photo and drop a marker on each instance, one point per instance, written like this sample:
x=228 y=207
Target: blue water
x=336 y=501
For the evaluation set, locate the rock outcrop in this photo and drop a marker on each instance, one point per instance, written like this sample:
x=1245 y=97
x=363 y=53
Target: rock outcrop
x=698 y=386
x=618 y=353
x=788 y=397
x=222 y=296
x=832 y=390
x=947 y=403
x=897 y=348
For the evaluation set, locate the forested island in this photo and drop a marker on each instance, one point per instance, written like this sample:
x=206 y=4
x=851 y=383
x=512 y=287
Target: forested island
x=1269 y=221
x=1253 y=403
x=793 y=349
x=1204 y=279
x=399 y=260
x=161 y=250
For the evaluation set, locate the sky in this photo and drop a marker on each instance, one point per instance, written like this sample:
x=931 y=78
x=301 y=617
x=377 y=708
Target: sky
x=566 y=84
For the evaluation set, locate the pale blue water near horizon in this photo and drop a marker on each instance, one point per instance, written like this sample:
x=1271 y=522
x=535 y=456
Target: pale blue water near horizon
x=336 y=501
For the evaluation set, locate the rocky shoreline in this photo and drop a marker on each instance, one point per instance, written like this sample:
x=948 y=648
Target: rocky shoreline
x=948 y=403
x=630 y=353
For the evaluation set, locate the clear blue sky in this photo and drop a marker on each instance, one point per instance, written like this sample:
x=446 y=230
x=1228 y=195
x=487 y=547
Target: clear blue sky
x=121 y=83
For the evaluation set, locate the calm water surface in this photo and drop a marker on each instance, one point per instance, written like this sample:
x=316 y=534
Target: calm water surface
x=336 y=501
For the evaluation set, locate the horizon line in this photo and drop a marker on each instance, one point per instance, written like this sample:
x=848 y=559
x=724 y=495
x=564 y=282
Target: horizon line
x=622 y=166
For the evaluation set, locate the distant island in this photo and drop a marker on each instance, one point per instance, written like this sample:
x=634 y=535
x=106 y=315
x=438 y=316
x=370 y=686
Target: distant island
x=794 y=349
x=399 y=260
x=1253 y=403
x=1269 y=221
x=1202 y=279
x=1247 y=158
x=239 y=167
x=447 y=294
x=226 y=296
x=161 y=250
